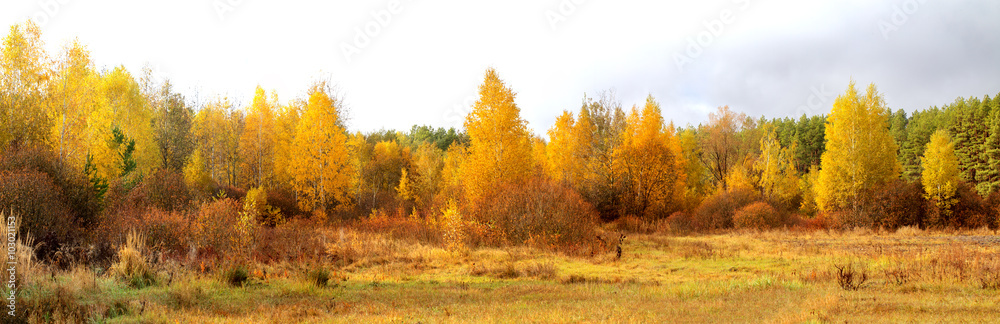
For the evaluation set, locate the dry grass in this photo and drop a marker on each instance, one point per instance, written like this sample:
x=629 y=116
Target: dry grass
x=132 y=265
x=770 y=276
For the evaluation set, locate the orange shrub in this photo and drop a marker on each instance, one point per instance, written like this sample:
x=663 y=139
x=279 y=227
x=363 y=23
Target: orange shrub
x=213 y=223
x=716 y=211
x=681 y=222
x=166 y=231
x=513 y=214
x=758 y=215
x=398 y=226
x=294 y=241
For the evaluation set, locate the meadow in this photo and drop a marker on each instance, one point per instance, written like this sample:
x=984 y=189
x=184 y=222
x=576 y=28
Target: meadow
x=782 y=276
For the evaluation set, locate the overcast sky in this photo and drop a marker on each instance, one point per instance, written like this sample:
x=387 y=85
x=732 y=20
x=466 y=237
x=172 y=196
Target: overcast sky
x=399 y=63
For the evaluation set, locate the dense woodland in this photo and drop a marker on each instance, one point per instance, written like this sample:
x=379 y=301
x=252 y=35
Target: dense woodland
x=91 y=153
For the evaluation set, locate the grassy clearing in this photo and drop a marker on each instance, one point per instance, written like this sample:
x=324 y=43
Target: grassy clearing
x=735 y=277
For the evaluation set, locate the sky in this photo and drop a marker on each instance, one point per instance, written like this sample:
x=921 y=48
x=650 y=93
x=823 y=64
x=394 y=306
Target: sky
x=397 y=63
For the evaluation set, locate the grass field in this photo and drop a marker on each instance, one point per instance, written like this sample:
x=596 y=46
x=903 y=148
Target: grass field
x=787 y=277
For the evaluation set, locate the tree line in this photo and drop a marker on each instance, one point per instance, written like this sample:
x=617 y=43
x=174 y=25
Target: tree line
x=93 y=136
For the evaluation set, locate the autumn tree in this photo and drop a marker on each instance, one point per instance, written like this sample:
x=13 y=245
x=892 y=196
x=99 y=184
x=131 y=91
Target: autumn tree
x=500 y=149
x=173 y=123
x=258 y=141
x=73 y=97
x=860 y=152
x=23 y=83
x=320 y=167
x=382 y=170
x=696 y=177
x=427 y=164
x=652 y=163
x=598 y=131
x=921 y=125
x=722 y=146
x=217 y=128
x=122 y=106
x=286 y=124
x=940 y=175
x=778 y=179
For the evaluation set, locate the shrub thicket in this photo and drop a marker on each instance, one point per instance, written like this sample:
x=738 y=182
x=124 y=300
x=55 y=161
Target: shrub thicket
x=538 y=210
x=716 y=211
x=759 y=215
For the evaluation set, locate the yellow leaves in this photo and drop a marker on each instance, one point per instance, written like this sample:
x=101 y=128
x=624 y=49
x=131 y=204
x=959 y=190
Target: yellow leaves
x=500 y=149
x=565 y=164
x=257 y=143
x=776 y=166
x=860 y=153
x=24 y=76
x=453 y=227
x=940 y=176
x=216 y=134
x=651 y=162
x=404 y=188
x=320 y=166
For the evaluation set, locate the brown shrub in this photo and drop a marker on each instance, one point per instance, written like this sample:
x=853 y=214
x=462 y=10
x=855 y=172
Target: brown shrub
x=284 y=200
x=212 y=225
x=399 y=227
x=54 y=202
x=294 y=241
x=40 y=205
x=971 y=211
x=167 y=230
x=899 y=203
x=992 y=204
x=633 y=224
x=758 y=215
x=77 y=191
x=851 y=276
x=165 y=190
x=681 y=222
x=513 y=214
x=717 y=211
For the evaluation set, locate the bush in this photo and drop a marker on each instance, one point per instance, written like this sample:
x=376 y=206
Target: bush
x=41 y=207
x=168 y=229
x=398 y=226
x=165 y=190
x=284 y=200
x=992 y=204
x=759 y=215
x=717 y=211
x=293 y=241
x=681 y=222
x=54 y=203
x=971 y=211
x=212 y=225
x=851 y=276
x=537 y=210
x=900 y=203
